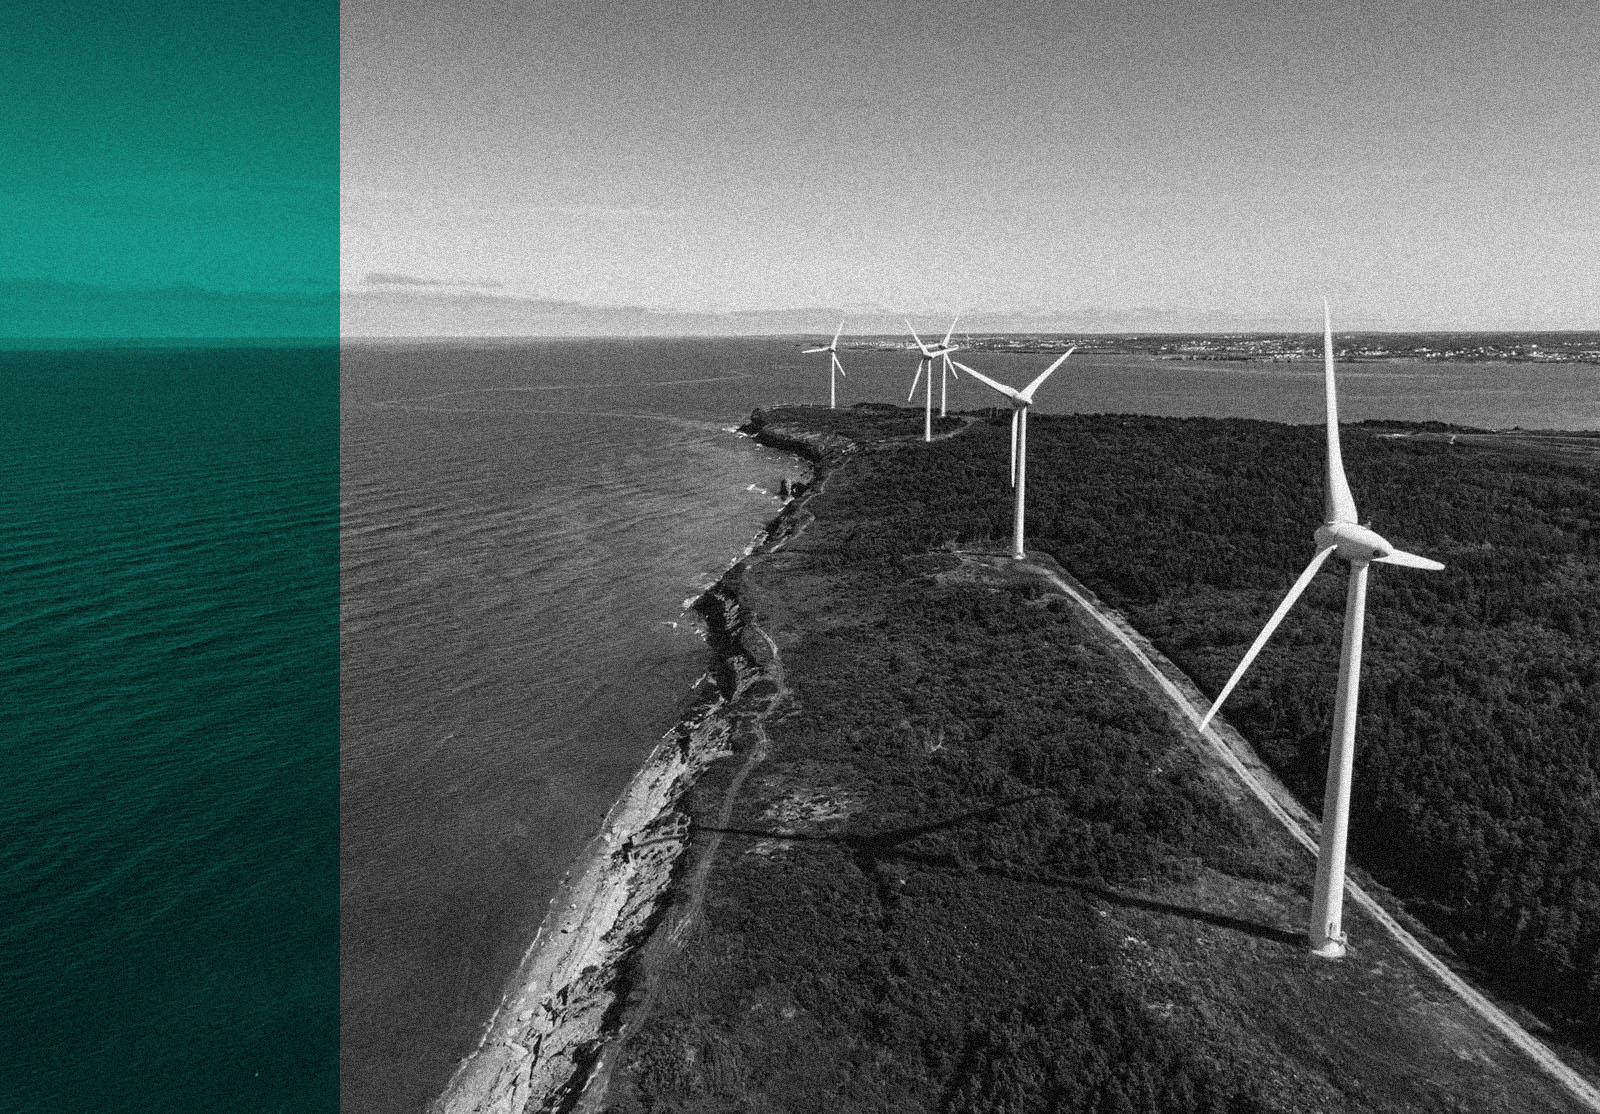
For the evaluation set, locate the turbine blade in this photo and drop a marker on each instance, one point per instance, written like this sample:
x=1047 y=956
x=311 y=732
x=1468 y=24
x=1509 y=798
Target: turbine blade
x=915 y=379
x=951 y=331
x=1266 y=631
x=810 y=350
x=1410 y=560
x=915 y=337
x=950 y=366
x=837 y=366
x=1027 y=392
x=982 y=378
x=837 y=334
x=1339 y=505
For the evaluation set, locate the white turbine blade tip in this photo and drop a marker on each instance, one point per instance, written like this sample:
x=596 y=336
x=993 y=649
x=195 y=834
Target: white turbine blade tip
x=982 y=378
x=1339 y=505
x=1410 y=561
x=1027 y=392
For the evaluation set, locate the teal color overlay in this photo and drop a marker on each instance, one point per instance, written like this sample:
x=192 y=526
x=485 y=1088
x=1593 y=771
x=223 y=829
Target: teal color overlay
x=169 y=556
x=168 y=786
x=171 y=168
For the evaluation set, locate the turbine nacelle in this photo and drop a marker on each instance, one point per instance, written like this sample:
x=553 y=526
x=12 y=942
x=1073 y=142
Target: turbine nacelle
x=1352 y=542
x=834 y=366
x=942 y=348
x=832 y=345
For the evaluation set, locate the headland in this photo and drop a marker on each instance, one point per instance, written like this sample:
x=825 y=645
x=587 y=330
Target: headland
x=933 y=843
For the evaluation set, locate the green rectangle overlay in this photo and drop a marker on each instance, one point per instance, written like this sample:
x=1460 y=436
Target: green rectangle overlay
x=169 y=557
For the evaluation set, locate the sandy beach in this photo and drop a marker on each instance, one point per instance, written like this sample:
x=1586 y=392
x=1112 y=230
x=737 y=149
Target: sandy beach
x=544 y=1039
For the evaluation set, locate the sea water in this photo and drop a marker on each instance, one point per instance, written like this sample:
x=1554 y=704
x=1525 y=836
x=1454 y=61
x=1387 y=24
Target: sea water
x=523 y=526
x=168 y=729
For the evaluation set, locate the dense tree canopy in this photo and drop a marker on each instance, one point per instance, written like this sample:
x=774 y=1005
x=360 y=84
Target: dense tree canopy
x=1478 y=762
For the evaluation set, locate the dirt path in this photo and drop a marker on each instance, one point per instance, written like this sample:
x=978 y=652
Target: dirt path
x=1232 y=749
x=592 y=1098
x=696 y=888
x=671 y=938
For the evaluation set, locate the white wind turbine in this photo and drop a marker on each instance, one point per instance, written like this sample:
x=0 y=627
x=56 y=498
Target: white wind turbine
x=834 y=366
x=1020 y=401
x=940 y=351
x=1339 y=534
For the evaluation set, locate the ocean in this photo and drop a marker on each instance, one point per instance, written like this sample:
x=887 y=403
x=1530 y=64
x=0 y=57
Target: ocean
x=523 y=528
x=519 y=528
x=168 y=729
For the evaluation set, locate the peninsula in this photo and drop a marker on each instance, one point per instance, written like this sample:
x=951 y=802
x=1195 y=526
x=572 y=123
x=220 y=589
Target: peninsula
x=944 y=838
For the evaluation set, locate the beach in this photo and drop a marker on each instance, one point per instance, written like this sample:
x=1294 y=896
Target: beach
x=548 y=1031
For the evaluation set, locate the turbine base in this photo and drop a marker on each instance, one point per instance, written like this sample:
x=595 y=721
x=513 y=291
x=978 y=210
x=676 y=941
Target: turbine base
x=1329 y=949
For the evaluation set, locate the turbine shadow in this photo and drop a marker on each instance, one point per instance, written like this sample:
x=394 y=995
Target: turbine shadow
x=875 y=844
x=871 y=848
x=1219 y=920
x=1117 y=897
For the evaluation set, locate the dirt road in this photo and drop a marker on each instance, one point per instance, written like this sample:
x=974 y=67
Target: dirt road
x=1236 y=754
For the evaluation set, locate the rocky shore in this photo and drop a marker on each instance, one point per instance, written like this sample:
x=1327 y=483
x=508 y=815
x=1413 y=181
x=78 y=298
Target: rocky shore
x=545 y=1041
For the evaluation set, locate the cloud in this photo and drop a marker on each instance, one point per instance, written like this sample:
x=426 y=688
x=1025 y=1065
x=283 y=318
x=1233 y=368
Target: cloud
x=428 y=309
x=45 y=309
x=392 y=278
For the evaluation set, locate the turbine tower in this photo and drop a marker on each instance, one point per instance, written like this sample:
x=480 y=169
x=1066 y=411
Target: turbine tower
x=1341 y=534
x=940 y=351
x=1020 y=401
x=834 y=366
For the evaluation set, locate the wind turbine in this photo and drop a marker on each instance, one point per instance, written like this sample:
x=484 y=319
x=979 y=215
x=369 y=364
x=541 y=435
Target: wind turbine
x=1340 y=534
x=940 y=351
x=832 y=349
x=1020 y=401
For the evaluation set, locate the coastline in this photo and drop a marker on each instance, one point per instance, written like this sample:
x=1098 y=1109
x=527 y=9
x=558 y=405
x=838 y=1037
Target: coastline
x=545 y=1039
x=593 y=994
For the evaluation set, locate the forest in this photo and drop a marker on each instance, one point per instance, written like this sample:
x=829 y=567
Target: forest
x=1477 y=795
x=958 y=860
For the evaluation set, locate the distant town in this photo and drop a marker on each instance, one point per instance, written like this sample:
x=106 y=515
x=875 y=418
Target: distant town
x=1552 y=348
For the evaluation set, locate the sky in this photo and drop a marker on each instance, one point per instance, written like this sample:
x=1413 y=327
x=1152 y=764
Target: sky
x=168 y=168
x=580 y=165
x=186 y=167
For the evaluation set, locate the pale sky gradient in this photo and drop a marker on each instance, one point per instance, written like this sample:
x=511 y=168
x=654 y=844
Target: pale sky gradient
x=1424 y=163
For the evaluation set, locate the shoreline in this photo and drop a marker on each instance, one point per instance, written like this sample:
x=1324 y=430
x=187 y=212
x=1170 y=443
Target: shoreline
x=562 y=1005
x=551 y=1044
